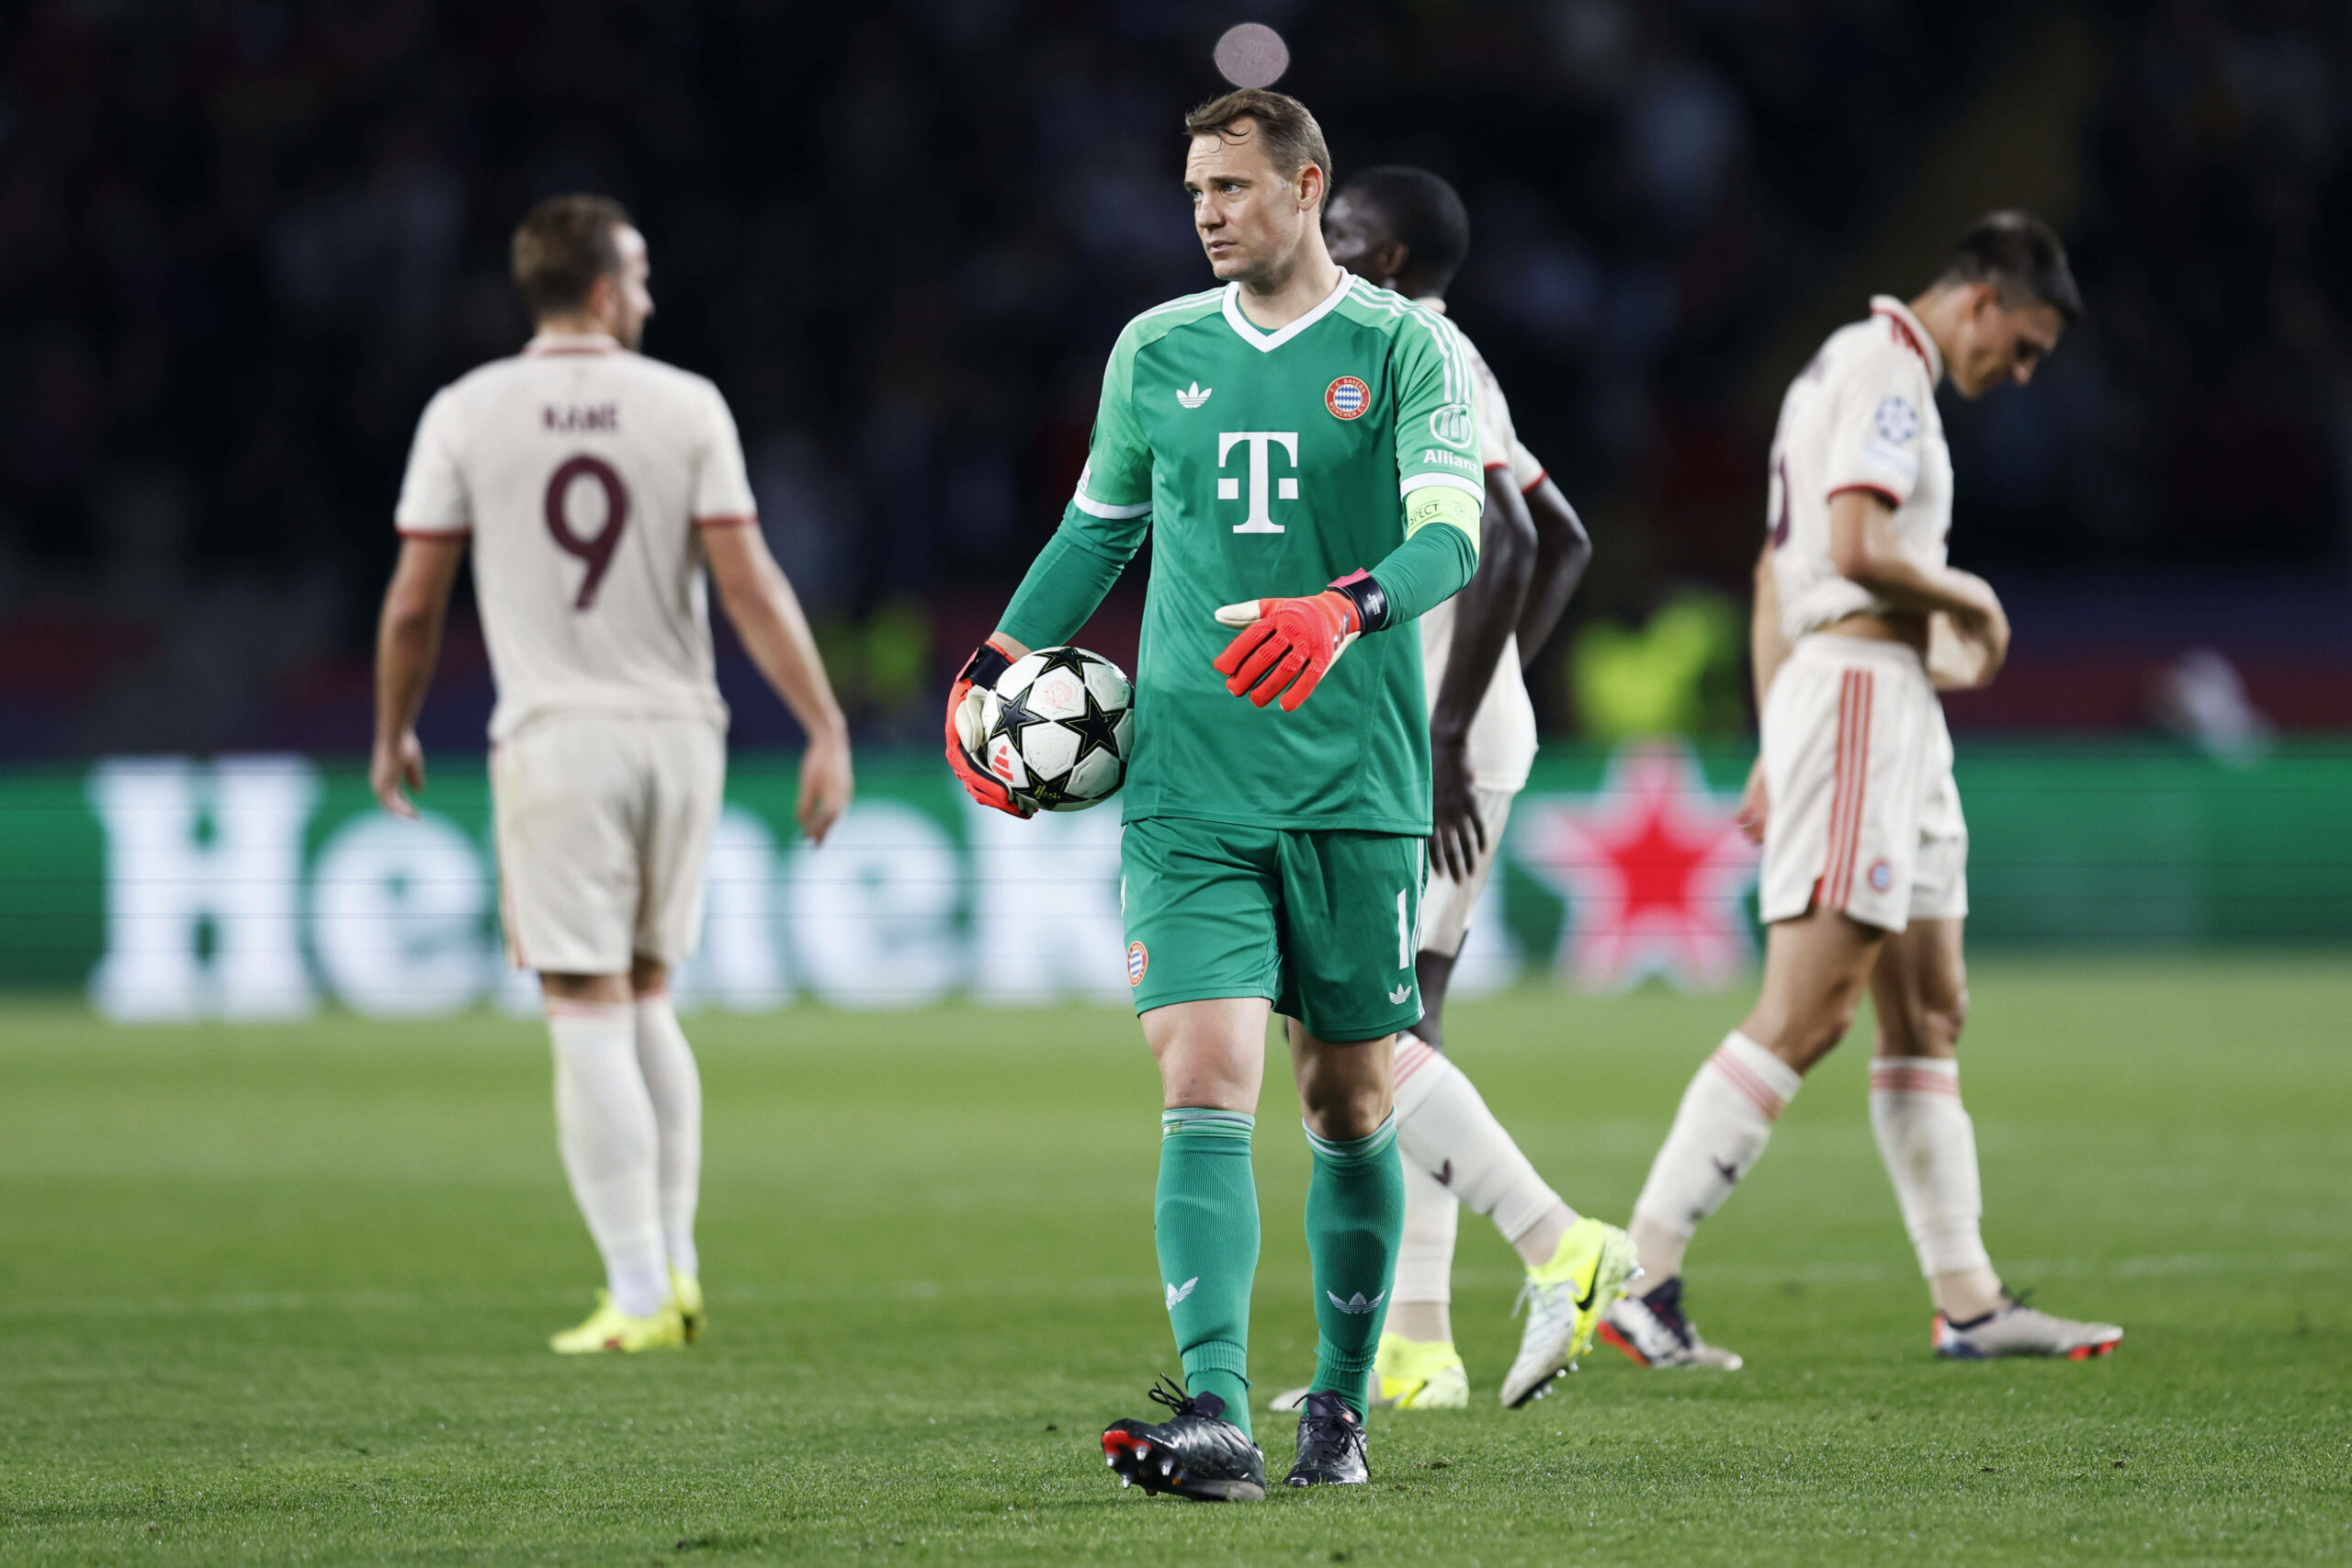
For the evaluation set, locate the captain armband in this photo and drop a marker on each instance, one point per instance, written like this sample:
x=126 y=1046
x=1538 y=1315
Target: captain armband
x=1443 y=503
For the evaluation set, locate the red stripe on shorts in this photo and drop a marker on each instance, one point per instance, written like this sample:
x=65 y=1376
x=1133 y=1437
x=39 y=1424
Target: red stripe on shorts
x=1825 y=886
x=1853 y=776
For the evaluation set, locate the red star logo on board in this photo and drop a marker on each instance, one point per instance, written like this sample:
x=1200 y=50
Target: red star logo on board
x=1655 y=870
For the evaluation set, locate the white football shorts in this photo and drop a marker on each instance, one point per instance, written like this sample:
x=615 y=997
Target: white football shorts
x=1447 y=904
x=602 y=824
x=1865 y=814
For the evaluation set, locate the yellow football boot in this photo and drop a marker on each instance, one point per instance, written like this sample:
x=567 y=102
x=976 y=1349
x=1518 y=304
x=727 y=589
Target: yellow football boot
x=609 y=1328
x=1564 y=1299
x=685 y=1290
x=1411 y=1374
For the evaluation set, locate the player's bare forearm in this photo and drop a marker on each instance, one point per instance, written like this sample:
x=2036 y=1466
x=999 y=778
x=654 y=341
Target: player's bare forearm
x=1563 y=550
x=1487 y=609
x=767 y=615
x=1864 y=549
x=1485 y=612
x=408 y=633
x=408 y=646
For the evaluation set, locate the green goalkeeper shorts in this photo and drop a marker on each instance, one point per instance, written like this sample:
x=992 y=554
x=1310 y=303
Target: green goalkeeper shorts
x=1323 y=924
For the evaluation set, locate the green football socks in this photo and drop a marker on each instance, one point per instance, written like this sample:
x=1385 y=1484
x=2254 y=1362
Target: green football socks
x=1355 y=1221
x=1204 y=1220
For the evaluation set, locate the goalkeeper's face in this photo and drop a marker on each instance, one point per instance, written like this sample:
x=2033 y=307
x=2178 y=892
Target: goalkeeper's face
x=1251 y=217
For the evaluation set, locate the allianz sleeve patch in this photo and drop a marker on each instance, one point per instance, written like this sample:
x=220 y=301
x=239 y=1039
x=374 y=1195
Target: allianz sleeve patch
x=1455 y=424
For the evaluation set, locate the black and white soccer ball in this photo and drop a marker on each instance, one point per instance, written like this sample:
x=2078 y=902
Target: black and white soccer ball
x=1058 y=729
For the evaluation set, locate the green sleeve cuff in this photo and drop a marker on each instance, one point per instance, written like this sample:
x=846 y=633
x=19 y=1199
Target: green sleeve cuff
x=1438 y=557
x=1067 y=582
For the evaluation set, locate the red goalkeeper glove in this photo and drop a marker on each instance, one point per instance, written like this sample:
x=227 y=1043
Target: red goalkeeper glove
x=965 y=700
x=1287 y=645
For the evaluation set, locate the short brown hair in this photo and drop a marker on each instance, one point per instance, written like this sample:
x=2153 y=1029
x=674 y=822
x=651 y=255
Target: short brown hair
x=1293 y=138
x=2017 y=254
x=562 y=247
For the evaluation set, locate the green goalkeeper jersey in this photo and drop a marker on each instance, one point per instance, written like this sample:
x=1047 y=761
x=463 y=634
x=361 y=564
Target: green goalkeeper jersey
x=1268 y=464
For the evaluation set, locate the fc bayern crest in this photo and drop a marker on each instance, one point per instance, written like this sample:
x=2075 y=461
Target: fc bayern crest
x=1347 y=398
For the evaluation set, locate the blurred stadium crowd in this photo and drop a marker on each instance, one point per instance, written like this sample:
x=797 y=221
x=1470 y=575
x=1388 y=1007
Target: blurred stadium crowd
x=242 y=241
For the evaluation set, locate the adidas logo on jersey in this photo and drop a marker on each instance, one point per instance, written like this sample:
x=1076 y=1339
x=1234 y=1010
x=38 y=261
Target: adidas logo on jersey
x=1194 y=396
x=1358 y=1306
x=1399 y=994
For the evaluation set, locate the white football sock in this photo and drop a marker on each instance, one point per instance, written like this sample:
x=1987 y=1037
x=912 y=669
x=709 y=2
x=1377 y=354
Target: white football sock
x=1425 y=1259
x=1929 y=1146
x=604 y=1126
x=1444 y=1127
x=667 y=1064
x=1725 y=1121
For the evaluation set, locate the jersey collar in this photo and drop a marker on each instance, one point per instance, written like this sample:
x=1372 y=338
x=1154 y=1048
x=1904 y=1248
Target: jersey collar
x=571 y=342
x=1267 y=342
x=1911 y=332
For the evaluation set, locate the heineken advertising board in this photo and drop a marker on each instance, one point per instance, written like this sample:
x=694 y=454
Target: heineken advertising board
x=271 y=886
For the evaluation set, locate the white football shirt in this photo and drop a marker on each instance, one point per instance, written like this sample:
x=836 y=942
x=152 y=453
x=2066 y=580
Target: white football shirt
x=582 y=471
x=1861 y=416
x=1502 y=732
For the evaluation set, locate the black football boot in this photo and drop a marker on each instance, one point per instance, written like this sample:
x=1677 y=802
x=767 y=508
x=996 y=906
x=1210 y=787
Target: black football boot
x=1330 y=1444
x=1195 y=1453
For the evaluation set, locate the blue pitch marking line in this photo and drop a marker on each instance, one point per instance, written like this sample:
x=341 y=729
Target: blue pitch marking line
x=1826 y=1274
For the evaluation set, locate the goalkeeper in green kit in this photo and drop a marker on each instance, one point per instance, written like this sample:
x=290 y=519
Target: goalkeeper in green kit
x=1302 y=445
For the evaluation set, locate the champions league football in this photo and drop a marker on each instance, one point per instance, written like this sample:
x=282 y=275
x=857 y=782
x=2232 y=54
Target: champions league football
x=1058 y=729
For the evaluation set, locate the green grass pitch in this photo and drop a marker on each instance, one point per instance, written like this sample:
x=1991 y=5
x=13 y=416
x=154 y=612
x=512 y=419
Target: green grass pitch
x=279 y=1293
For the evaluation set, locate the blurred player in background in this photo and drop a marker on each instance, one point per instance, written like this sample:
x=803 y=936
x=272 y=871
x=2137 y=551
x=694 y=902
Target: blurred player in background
x=1858 y=620
x=1406 y=230
x=594 y=485
x=1279 y=435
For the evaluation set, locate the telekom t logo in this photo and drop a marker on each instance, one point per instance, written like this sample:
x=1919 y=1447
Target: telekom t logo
x=1259 y=520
